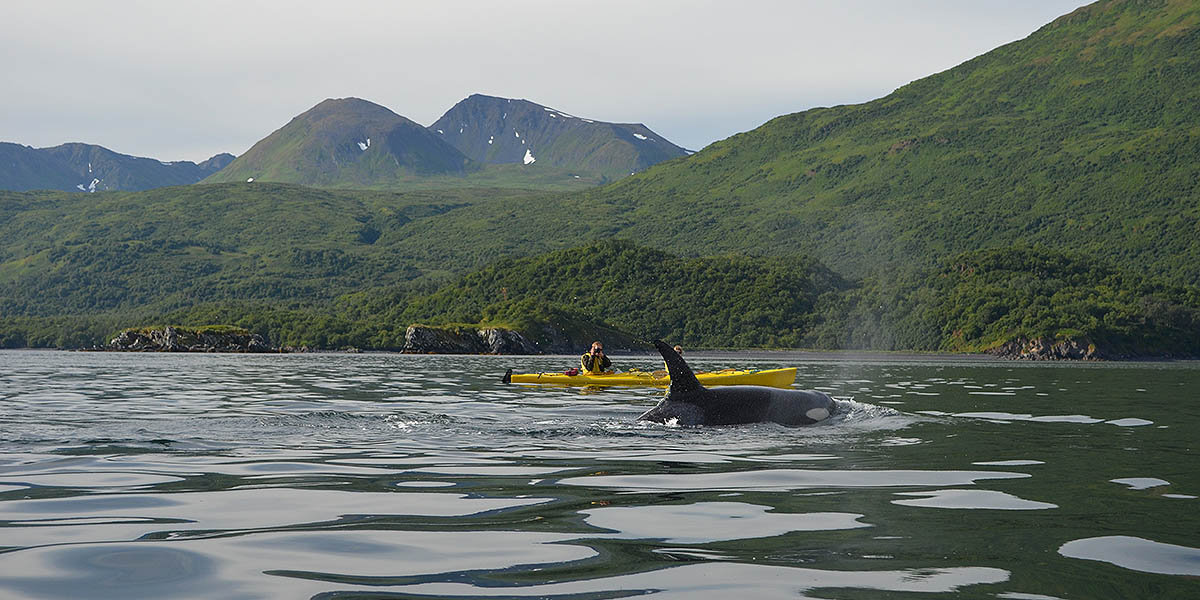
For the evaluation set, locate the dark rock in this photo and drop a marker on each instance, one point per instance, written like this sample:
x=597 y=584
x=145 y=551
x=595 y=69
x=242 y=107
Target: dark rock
x=506 y=341
x=182 y=339
x=1044 y=348
x=420 y=339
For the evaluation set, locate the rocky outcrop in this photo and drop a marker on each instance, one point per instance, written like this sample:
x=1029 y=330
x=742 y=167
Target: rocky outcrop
x=1045 y=348
x=419 y=339
x=182 y=339
x=506 y=341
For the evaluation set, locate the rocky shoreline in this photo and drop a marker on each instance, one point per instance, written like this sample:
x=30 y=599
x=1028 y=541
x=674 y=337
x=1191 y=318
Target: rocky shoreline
x=1045 y=348
x=185 y=339
x=424 y=339
x=419 y=339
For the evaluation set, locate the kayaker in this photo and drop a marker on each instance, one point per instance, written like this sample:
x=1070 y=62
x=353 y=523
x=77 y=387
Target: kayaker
x=594 y=361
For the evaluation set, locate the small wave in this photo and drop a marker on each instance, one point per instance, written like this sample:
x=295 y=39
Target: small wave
x=850 y=410
x=568 y=429
x=317 y=418
x=343 y=419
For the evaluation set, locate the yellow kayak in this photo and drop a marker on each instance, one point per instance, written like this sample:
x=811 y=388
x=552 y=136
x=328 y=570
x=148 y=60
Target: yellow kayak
x=781 y=378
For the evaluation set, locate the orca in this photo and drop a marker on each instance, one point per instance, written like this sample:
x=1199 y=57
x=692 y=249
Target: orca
x=689 y=403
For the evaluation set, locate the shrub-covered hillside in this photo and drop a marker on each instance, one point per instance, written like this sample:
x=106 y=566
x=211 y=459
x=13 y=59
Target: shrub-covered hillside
x=986 y=299
x=720 y=301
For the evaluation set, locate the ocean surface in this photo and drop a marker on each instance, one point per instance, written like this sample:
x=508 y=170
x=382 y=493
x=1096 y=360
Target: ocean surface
x=397 y=476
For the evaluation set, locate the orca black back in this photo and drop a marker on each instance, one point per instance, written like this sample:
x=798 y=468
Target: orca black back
x=689 y=403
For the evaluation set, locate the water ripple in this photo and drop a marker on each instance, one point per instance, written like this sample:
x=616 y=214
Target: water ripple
x=1136 y=554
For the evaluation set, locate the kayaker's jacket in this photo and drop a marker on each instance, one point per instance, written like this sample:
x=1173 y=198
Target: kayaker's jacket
x=591 y=365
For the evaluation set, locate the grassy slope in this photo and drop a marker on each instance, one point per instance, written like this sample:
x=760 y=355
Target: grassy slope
x=71 y=253
x=615 y=287
x=1082 y=136
x=712 y=301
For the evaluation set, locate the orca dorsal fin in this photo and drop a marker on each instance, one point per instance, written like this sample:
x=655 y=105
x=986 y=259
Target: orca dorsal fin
x=683 y=381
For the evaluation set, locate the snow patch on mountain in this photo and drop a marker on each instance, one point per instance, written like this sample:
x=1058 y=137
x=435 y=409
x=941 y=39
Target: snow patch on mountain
x=364 y=145
x=529 y=159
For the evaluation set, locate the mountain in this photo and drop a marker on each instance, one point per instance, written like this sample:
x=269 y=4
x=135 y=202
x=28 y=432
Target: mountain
x=489 y=142
x=506 y=131
x=1082 y=136
x=1078 y=141
x=347 y=142
x=90 y=168
x=25 y=168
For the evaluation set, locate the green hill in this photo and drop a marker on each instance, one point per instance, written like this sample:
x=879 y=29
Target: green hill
x=495 y=130
x=723 y=301
x=63 y=253
x=987 y=298
x=1002 y=299
x=1082 y=136
x=1007 y=300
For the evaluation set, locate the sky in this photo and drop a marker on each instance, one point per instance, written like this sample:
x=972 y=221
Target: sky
x=187 y=80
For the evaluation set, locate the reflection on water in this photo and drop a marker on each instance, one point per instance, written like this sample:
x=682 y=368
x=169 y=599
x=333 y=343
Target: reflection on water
x=719 y=579
x=705 y=522
x=227 y=476
x=1141 y=483
x=971 y=499
x=1136 y=554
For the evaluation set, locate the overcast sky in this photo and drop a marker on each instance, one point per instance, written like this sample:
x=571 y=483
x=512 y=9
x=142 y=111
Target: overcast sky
x=186 y=80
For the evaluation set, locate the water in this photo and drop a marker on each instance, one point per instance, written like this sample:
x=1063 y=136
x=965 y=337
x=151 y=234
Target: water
x=393 y=476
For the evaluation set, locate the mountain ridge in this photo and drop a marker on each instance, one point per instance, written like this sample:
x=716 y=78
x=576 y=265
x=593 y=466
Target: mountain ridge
x=345 y=141
x=495 y=130
x=76 y=166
